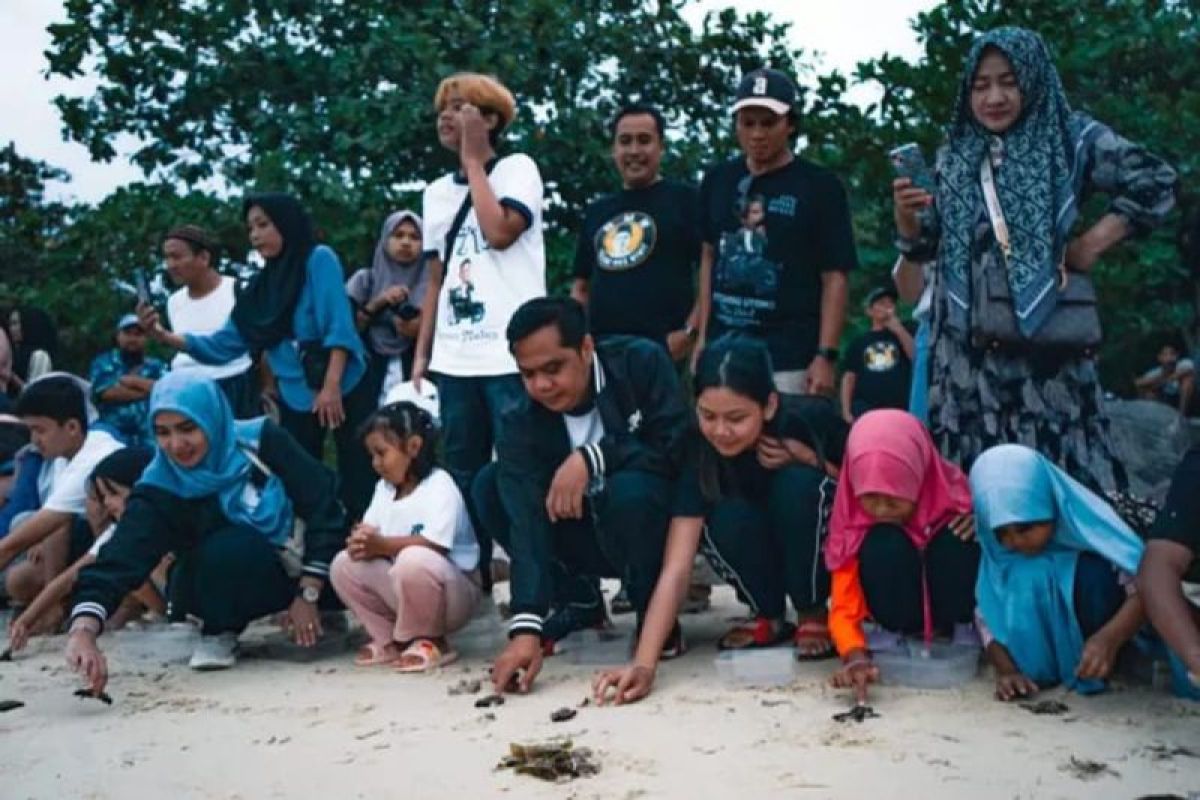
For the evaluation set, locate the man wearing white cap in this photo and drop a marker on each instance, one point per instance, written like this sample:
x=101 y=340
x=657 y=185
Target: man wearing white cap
x=777 y=242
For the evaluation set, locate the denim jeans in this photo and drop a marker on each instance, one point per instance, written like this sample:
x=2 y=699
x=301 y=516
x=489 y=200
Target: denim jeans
x=471 y=410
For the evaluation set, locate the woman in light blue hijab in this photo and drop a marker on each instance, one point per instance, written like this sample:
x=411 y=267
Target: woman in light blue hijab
x=1049 y=590
x=222 y=495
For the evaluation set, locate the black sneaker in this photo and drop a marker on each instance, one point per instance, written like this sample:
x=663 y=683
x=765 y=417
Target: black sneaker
x=567 y=619
x=675 y=646
x=620 y=603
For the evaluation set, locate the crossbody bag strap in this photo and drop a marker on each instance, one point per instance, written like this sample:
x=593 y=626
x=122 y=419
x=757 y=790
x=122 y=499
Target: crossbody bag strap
x=252 y=454
x=995 y=213
x=991 y=199
x=461 y=217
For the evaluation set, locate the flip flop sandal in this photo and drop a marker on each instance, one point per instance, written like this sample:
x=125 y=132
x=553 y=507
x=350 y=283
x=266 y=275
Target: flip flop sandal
x=372 y=655
x=814 y=631
x=430 y=654
x=762 y=634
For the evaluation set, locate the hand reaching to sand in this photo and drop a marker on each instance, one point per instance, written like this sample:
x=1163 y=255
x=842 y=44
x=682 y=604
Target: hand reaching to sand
x=84 y=657
x=857 y=673
x=627 y=684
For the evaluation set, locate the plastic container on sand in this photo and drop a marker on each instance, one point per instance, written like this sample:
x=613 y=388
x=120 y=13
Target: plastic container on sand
x=165 y=643
x=941 y=665
x=769 y=666
x=597 y=646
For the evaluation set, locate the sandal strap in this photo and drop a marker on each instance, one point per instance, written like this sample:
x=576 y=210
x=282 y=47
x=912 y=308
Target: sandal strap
x=427 y=650
x=813 y=628
x=764 y=632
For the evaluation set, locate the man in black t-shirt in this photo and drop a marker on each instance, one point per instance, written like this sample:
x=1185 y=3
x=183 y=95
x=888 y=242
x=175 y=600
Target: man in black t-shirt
x=639 y=246
x=877 y=369
x=1172 y=556
x=777 y=242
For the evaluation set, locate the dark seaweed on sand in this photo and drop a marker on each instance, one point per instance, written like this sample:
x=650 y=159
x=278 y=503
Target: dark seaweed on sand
x=557 y=761
x=859 y=713
x=88 y=693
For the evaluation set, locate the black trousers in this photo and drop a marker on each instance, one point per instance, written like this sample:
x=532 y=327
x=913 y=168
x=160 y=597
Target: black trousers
x=242 y=392
x=356 y=478
x=769 y=549
x=621 y=535
x=890 y=568
x=230 y=578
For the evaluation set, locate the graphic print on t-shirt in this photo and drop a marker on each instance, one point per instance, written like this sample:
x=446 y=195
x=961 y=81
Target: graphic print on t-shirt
x=881 y=356
x=463 y=305
x=625 y=241
x=745 y=281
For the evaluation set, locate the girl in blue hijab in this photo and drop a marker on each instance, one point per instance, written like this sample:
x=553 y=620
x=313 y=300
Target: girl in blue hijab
x=222 y=496
x=1049 y=590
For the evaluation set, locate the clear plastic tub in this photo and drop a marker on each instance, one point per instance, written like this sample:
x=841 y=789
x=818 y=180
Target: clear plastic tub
x=942 y=665
x=163 y=643
x=597 y=646
x=769 y=666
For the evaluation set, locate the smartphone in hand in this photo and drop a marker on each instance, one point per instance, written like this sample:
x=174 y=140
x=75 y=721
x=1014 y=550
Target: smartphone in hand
x=909 y=162
x=143 y=287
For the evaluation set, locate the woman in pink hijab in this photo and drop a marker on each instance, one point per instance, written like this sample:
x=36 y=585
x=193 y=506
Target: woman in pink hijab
x=900 y=548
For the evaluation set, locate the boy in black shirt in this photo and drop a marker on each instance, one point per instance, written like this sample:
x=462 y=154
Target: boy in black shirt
x=777 y=242
x=877 y=370
x=639 y=246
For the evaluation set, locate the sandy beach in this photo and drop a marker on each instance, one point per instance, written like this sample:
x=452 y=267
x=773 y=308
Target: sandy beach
x=302 y=725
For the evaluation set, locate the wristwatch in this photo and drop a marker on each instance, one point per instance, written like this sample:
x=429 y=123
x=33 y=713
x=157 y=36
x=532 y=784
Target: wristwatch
x=309 y=594
x=830 y=354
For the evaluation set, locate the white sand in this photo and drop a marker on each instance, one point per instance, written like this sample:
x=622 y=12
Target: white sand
x=284 y=727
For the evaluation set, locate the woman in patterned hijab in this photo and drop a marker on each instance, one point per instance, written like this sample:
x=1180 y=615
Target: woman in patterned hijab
x=1045 y=157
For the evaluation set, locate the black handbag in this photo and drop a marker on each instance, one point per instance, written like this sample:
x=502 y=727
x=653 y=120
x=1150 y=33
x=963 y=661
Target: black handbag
x=314 y=361
x=1073 y=327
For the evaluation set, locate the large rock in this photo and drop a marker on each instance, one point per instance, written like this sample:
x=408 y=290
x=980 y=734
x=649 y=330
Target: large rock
x=1150 y=439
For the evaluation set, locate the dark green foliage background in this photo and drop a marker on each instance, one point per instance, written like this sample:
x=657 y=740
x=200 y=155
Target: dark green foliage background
x=333 y=101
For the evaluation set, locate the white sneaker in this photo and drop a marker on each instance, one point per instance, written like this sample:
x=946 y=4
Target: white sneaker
x=215 y=652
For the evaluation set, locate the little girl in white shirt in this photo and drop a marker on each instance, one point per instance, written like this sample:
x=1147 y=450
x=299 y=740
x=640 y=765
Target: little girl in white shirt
x=409 y=568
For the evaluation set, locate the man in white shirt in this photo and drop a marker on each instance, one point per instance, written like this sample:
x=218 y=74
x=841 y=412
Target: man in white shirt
x=483 y=234
x=56 y=412
x=200 y=306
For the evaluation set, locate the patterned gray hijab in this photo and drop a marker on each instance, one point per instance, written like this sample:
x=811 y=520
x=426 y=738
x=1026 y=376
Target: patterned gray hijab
x=1034 y=183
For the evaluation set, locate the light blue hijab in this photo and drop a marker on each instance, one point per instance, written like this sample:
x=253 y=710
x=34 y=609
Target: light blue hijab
x=226 y=469
x=1028 y=602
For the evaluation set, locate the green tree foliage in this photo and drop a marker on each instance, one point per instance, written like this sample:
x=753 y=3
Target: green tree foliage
x=28 y=221
x=334 y=100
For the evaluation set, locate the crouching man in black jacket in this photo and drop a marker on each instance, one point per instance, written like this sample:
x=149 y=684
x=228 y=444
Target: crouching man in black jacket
x=584 y=476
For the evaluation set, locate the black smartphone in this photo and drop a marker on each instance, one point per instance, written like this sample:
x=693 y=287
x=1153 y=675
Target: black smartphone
x=408 y=312
x=909 y=162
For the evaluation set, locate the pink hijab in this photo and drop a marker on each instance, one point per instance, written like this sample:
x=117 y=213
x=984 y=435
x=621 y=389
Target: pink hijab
x=890 y=452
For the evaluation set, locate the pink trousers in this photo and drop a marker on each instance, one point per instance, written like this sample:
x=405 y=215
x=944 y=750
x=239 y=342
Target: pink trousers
x=422 y=594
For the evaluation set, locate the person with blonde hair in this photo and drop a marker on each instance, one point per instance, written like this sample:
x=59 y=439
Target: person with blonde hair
x=488 y=213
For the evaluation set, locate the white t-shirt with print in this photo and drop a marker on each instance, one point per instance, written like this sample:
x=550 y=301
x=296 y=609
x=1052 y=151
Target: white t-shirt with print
x=435 y=510
x=482 y=287
x=68 y=488
x=201 y=317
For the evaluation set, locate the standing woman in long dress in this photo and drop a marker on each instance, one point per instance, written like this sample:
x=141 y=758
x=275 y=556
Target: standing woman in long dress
x=1046 y=159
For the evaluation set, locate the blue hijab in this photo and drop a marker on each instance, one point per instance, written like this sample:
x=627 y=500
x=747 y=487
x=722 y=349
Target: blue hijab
x=1028 y=601
x=226 y=468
